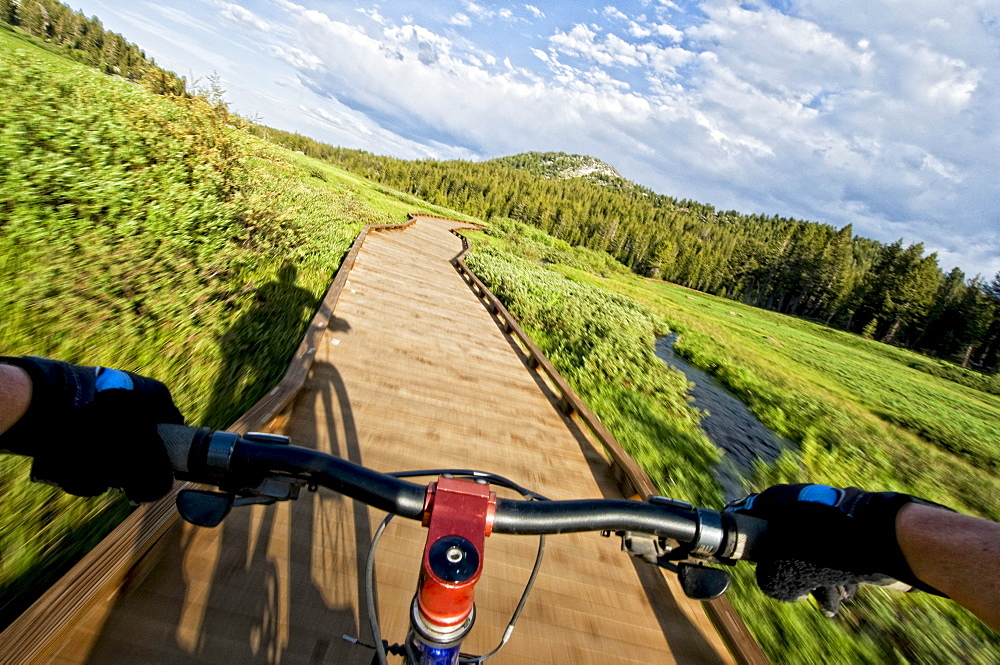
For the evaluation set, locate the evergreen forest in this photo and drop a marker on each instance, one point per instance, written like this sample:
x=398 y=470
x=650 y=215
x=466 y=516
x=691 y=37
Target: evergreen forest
x=892 y=293
x=143 y=226
x=58 y=28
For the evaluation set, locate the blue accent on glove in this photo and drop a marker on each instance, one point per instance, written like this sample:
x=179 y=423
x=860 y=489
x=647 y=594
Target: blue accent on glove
x=823 y=538
x=112 y=379
x=824 y=494
x=91 y=428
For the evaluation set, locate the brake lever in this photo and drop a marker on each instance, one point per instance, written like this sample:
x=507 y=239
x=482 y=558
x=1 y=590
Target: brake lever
x=700 y=582
x=208 y=508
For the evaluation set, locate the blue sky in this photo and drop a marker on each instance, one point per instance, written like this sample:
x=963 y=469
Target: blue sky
x=879 y=113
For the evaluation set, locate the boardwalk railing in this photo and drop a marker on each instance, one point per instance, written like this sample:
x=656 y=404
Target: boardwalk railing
x=631 y=479
x=117 y=562
x=113 y=564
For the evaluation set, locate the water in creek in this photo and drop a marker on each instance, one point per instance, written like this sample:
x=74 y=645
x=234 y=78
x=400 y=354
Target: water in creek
x=730 y=425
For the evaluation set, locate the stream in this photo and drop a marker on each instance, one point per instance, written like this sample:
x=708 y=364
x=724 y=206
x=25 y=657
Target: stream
x=730 y=425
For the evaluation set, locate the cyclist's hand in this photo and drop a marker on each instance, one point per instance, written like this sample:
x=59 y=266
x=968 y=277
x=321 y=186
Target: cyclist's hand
x=826 y=540
x=92 y=428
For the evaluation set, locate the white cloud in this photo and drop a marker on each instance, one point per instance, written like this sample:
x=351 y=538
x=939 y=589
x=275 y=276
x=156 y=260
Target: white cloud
x=777 y=50
x=373 y=14
x=341 y=120
x=478 y=10
x=854 y=111
x=454 y=99
x=639 y=31
x=930 y=77
x=171 y=15
x=295 y=57
x=242 y=16
x=614 y=13
x=482 y=13
x=535 y=11
x=475 y=12
x=668 y=31
x=541 y=55
x=665 y=62
x=582 y=41
x=612 y=51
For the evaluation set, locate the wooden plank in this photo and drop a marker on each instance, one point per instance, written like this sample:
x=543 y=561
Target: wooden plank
x=100 y=574
x=399 y=384
x=630 y=475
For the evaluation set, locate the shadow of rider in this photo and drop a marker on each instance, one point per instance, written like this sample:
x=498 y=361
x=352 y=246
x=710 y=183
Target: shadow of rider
x=255 y=350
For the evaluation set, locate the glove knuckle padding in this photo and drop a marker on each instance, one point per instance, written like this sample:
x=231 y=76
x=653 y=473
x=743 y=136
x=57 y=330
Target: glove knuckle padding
x=92 y=428
x=827 y=538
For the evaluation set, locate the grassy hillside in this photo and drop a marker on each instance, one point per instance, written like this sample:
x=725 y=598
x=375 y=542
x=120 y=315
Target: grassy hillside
x=155 y=235
x=859 y=412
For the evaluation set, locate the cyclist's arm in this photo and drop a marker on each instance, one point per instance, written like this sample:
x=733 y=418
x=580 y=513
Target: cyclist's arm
x=87 y=428
x=956 y=554
x=15 y=395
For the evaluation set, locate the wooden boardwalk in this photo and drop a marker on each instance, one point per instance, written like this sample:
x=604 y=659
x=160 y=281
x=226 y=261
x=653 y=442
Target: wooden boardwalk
x=411 y=373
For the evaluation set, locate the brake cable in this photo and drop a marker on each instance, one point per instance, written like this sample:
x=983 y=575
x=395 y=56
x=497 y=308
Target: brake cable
x=379 y=645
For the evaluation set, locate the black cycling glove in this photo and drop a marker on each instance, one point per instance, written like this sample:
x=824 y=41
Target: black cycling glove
x=93 y=428
x=826 y=540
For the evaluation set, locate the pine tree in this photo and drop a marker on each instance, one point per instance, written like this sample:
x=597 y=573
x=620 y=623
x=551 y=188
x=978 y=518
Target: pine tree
x=988 y=353
x=31 y=18
x=938 y=332
x=8 y=12
x=974 y=313
x=833 y=281
x=869 y=330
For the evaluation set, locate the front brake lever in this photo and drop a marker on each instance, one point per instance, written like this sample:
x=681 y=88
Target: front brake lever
x=207 y=508
x=699 y=582
x=204 y=508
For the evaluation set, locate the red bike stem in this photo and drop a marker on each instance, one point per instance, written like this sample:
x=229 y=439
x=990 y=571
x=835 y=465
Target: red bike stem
x=458 y=515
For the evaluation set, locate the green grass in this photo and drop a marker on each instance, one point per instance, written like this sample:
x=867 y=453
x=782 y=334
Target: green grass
x=158 y=236
x=859 y=411
x=603 y=344
x=154 y=234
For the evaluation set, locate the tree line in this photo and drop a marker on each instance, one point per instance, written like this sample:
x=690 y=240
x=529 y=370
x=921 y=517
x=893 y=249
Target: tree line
x=894 y=293
x=890 y=292
x=85 y=40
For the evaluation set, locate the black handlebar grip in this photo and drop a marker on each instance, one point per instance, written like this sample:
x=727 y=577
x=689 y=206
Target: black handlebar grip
x=743 y=536
x=177 y=439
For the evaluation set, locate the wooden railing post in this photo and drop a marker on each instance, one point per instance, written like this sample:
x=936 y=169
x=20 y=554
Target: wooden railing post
x=102 y=572
x=632 y=480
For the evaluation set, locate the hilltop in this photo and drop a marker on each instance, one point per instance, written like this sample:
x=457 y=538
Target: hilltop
x=893 y=293
x=562 y=166
x=141 y=230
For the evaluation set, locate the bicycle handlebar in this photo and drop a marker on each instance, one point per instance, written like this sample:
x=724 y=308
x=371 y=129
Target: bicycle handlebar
x=230 y=462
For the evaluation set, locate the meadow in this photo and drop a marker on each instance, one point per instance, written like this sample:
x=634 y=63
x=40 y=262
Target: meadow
x=156 y=235
x=860 y=413
x=159 y=235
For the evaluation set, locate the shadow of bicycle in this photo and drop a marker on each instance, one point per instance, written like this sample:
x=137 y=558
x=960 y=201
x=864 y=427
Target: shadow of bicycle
x=272 y=584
